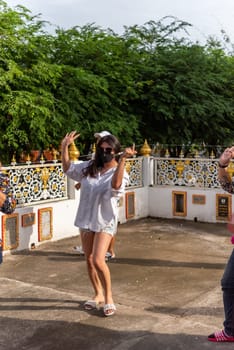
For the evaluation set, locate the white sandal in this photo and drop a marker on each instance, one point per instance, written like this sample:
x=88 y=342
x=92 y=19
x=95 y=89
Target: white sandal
x=109 y=309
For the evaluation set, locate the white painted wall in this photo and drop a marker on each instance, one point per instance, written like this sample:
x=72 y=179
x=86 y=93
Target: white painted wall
x=154 y=201
x=160 y=203
x=63 y=221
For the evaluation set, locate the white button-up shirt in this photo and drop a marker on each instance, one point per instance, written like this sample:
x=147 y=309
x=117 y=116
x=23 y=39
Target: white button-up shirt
x=98 y=205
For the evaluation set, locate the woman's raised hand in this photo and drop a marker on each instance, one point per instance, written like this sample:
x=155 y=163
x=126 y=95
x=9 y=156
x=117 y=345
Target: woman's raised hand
x=226 y=156
x=129 y=152
x=69 y=138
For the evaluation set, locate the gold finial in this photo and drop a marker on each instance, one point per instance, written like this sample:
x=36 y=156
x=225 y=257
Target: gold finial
x=145 y=149
x=157 y=149
x=212 y=155
x=42 y=159
x=167 y=154
x=196 y=154
x=13 y=160
x=54 y=154
x=94 y=148
x=181 y=154
x=73 y=152
x=28 y=159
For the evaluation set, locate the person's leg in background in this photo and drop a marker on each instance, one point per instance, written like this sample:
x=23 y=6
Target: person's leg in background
x=111 y=249
x=227 y=283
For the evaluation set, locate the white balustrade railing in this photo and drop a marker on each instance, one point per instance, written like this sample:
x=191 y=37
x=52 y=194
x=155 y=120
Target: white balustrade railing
x=190 y=172
x=37 y=183
x=134 y=167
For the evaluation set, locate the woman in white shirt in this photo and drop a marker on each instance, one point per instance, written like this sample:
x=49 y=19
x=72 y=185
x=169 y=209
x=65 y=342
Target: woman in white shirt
x=103 y=180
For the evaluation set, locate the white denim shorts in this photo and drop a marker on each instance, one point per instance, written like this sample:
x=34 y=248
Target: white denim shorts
x=111 y=228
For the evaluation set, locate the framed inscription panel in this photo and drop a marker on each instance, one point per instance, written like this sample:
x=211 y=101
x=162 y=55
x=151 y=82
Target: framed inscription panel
x=179 y=203
x=28 y=219
x=130 y=204
x=198 y=199
x=45 y=224
x=223 y=207
x=10 y=231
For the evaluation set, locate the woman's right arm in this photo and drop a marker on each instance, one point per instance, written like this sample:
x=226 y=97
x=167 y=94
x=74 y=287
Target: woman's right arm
x=68 y=139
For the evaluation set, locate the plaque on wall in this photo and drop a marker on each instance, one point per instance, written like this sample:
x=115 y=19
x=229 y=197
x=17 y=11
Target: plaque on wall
x=45 y=226
x=10 y=231
x=28 y=219
x=198 y=199
x=130 y=205
x=223 y=207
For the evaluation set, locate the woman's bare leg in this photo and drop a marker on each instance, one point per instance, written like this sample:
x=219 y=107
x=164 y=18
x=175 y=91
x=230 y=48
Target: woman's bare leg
x=87 y=239
x=100 y=245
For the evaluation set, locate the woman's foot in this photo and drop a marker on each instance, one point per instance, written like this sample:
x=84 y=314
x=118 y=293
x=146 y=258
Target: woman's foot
x=109 y=309
x=92 y=304
x=95 y=303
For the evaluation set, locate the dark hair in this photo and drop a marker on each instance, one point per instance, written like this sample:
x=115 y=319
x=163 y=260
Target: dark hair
x=94 y=166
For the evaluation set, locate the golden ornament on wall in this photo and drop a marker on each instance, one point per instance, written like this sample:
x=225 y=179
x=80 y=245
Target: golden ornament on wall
x=73 y=152
x=145 y=149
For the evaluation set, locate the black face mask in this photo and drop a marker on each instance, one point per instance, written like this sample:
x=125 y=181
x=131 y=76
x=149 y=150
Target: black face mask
x=106 y=157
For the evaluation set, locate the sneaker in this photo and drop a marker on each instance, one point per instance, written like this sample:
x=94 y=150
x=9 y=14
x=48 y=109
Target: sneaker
x=220 y=336
x=109 y=256
x=78 y=249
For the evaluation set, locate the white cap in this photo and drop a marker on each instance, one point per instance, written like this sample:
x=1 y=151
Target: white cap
x=101 y=134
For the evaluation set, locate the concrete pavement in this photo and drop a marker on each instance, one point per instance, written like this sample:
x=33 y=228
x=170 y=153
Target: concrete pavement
x=166 y=286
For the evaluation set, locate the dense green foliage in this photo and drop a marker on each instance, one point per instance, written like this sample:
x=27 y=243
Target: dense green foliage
x=150 y=83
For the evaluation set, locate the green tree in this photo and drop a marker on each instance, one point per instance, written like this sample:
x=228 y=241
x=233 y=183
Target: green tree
x=150 y=83
x=185 y=88
x=26 y=101
x=98 y=82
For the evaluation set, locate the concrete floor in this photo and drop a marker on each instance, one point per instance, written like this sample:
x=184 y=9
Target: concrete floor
x=166 y=285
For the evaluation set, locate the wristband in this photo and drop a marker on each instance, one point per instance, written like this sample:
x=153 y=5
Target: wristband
x=222 y=166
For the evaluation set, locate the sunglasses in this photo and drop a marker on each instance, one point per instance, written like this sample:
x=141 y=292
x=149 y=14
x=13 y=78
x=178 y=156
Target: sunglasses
x=106 y=150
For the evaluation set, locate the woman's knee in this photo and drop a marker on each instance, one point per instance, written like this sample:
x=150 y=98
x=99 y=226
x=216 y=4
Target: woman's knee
x=89 y=260
x=99 y=263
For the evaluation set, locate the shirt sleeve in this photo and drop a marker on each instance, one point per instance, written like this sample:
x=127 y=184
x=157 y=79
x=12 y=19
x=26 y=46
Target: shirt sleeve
x=125 y=182
x=75 y=171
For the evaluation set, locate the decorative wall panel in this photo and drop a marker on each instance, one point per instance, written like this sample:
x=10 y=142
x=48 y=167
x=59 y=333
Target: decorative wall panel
x=45 y=224
x=130 y=204
x=10 y=231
